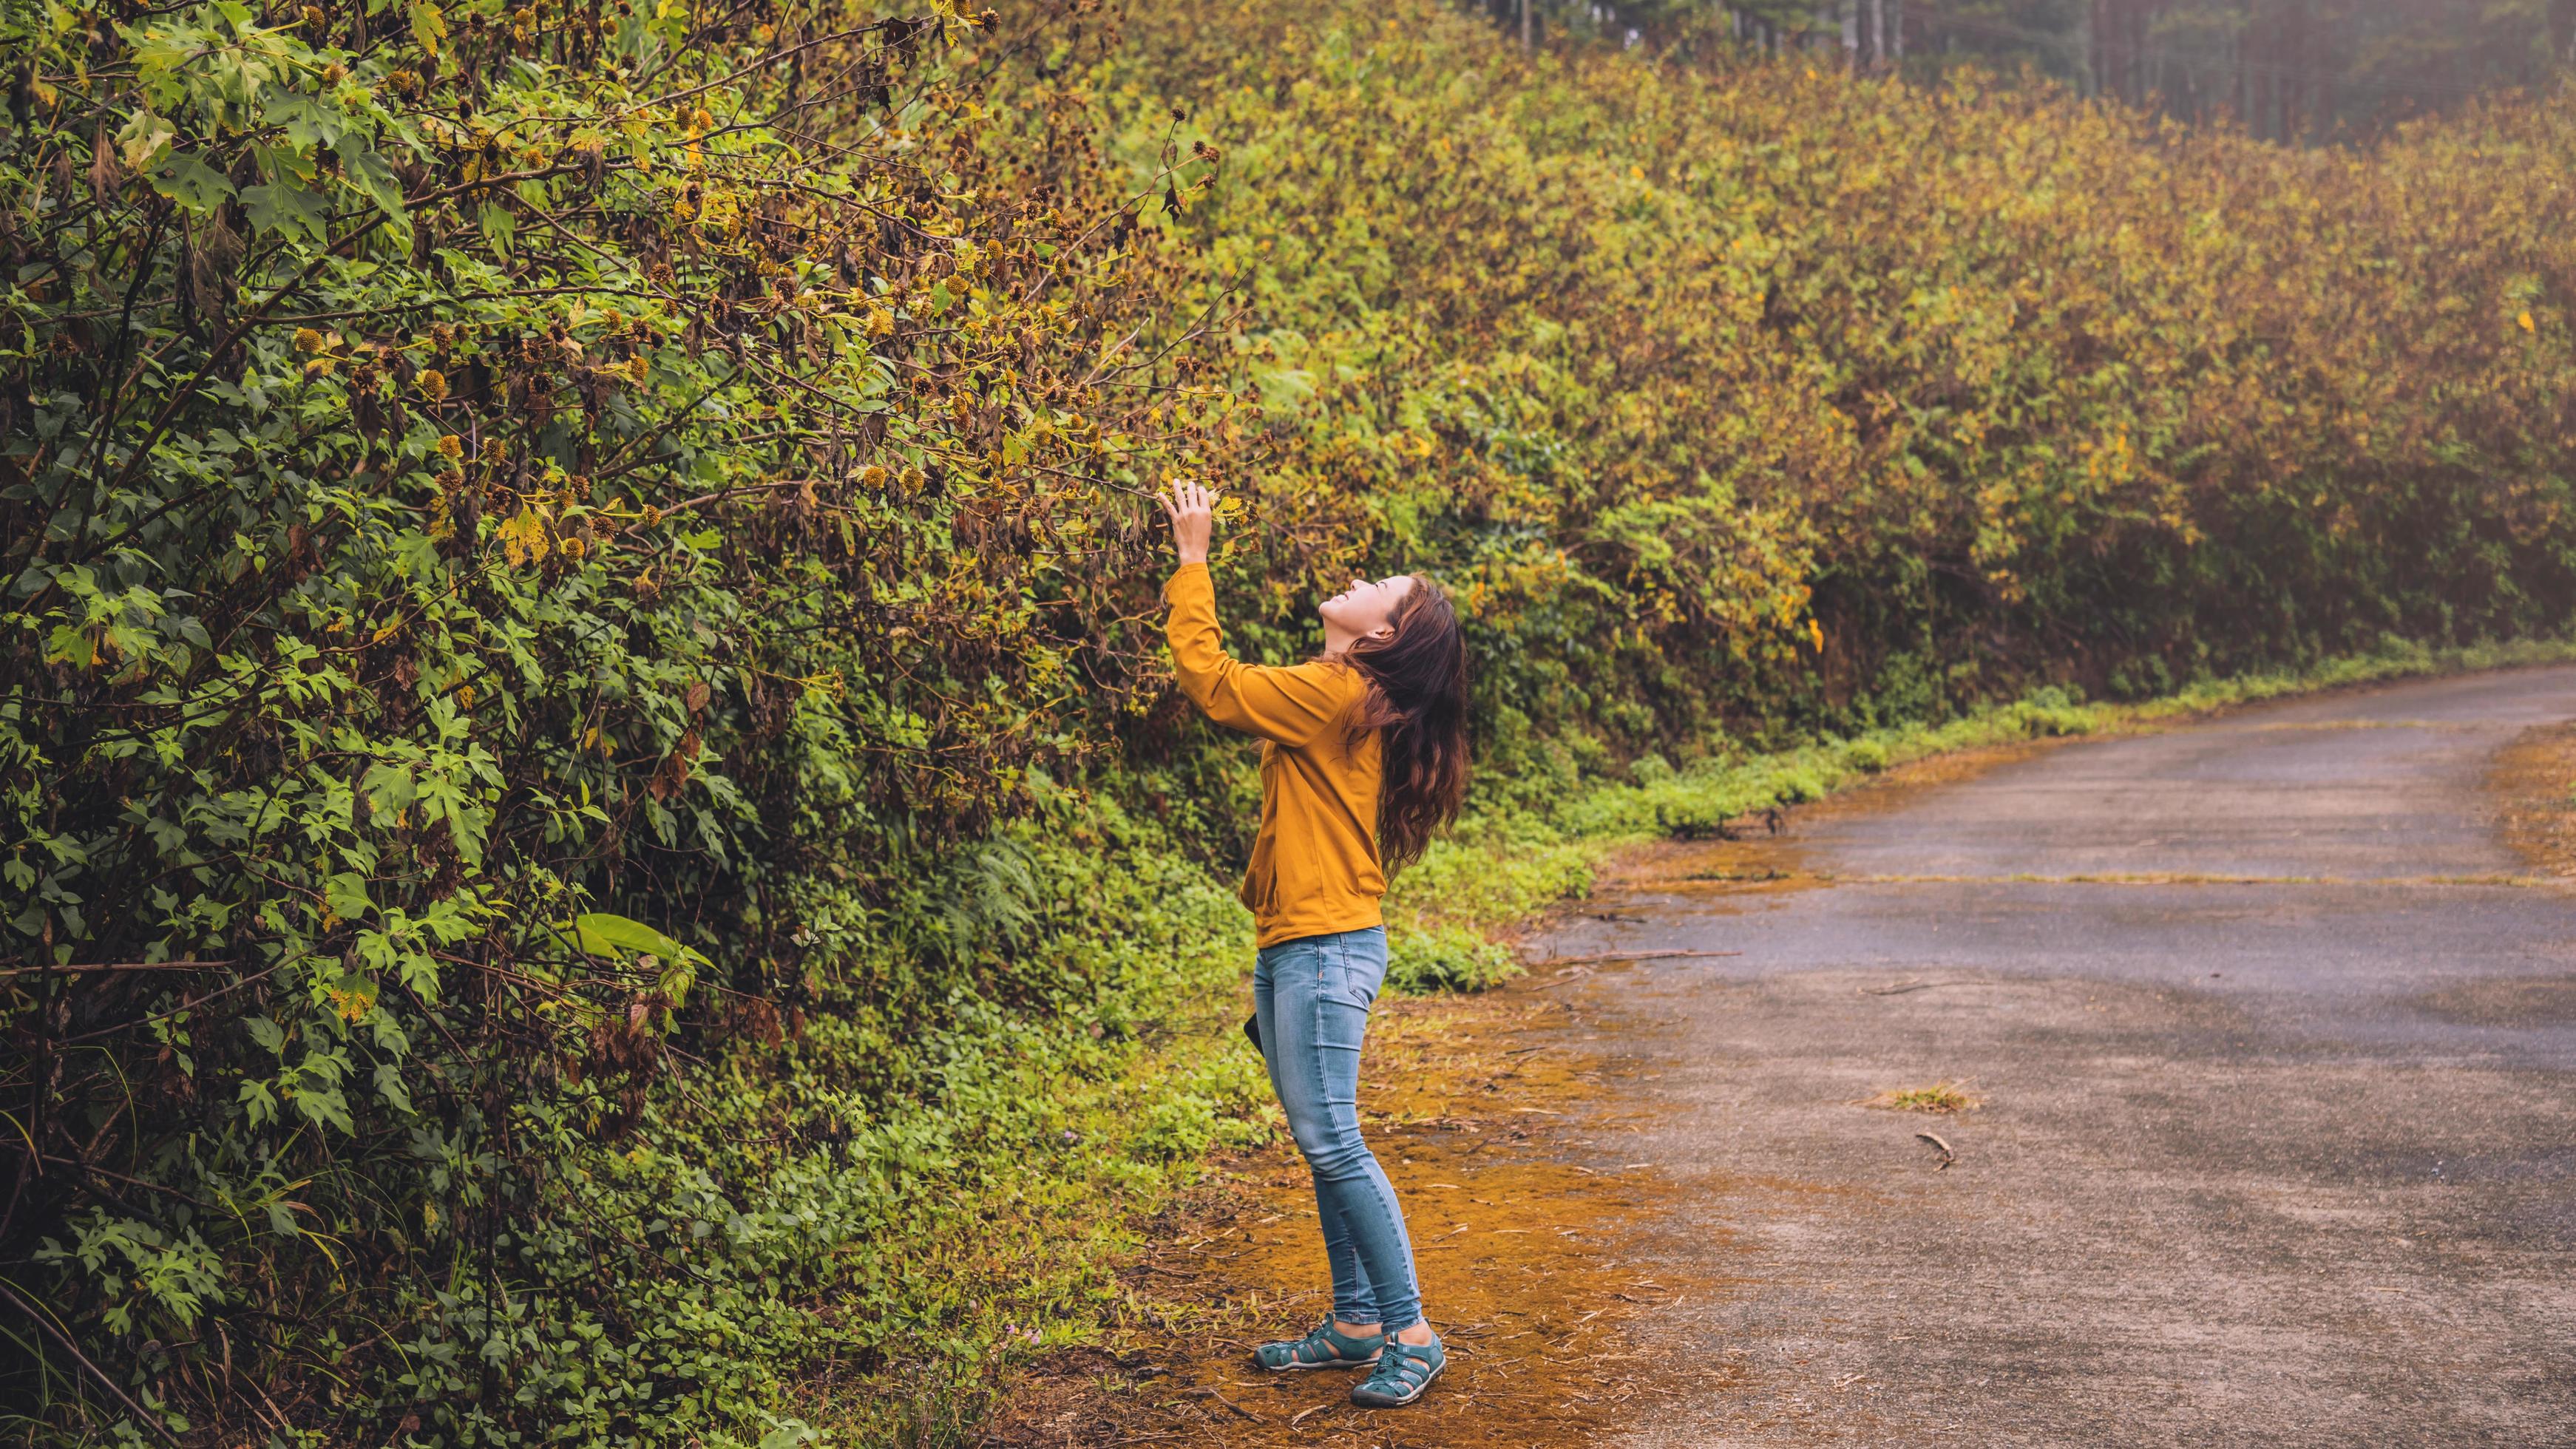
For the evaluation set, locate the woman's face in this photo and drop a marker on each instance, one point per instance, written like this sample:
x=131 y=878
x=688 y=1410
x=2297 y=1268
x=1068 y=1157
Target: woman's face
x=1365 y=608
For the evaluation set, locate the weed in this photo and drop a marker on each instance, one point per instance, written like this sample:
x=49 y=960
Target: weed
x=1940 y=1097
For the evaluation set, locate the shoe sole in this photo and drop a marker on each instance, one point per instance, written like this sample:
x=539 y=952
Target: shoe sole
x=1402 y=1403
x=1292 y=1368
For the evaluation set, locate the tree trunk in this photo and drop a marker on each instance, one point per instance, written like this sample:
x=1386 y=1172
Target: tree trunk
x=2090 y=42
x=2236 y=50
x=1525 y=26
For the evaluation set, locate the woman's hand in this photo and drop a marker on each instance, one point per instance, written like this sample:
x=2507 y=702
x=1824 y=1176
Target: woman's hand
x=1191 y=507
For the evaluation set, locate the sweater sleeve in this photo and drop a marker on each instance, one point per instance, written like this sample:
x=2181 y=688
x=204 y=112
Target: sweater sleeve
x=1291 y=706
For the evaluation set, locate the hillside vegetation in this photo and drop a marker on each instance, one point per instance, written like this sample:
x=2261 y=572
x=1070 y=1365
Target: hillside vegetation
x=598 y=845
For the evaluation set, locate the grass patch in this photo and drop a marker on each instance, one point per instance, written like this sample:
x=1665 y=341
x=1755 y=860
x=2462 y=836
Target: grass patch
x=1943 y=1097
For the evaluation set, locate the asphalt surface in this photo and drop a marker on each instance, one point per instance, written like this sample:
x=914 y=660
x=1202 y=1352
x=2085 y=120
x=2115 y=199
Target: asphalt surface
x=2274 y=1037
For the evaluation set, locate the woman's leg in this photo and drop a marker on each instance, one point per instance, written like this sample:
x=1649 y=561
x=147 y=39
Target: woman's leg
x=1321 y=989
x=1354 y=1303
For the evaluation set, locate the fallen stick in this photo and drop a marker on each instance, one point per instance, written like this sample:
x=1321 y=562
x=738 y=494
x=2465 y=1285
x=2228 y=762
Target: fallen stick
x=1947 y=1156
x=1914 y=984
x=1221 y=1400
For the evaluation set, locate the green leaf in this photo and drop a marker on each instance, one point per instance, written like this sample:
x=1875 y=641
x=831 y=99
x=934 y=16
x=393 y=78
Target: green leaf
x=142 y=138
x=325 y=1106
x=390 y=787
x=428 y=26
x=789 y=1433
x=600 y=933
x=500 y=228
x=190 y=182
x=289 y=211
x=369 y=172
x=389 y=1086
x=346 y=895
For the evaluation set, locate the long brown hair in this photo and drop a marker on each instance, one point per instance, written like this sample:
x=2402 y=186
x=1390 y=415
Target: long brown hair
x=1417 y=699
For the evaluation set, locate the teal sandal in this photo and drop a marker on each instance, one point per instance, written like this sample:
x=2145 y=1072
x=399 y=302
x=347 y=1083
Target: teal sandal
x=1323 y=1347
x=1404 y=1374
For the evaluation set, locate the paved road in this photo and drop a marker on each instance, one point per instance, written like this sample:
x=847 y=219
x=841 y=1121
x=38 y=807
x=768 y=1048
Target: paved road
x=2278 y=1049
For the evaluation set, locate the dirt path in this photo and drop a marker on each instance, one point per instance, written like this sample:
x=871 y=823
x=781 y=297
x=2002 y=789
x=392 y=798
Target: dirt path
x=2274 y=1029
x=1535 y=1264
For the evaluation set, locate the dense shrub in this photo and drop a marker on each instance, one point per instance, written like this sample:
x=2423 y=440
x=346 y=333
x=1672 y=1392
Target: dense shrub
x=1744 y=395
x=482 y=470
x=595 y=848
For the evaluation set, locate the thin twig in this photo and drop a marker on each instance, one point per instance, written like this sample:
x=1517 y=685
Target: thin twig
x=46 y=1326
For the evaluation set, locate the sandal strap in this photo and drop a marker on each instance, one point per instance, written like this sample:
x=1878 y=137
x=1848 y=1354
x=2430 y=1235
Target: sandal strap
x=1410 y=1364
x=1322 y=1344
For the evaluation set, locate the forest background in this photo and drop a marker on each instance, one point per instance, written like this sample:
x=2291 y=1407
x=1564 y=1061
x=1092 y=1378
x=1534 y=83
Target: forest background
x=598 y=843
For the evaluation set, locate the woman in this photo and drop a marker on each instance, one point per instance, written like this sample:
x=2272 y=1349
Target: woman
x=1364 y=755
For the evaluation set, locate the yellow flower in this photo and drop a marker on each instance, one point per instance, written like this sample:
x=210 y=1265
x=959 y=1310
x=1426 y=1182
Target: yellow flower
x=307 y=340
x=433 y=384
x=451 y=446
x=2525 y=320
x=637 y=368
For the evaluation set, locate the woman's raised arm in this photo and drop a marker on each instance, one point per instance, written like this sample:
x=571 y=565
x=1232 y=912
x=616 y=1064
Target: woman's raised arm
x=1292 y=706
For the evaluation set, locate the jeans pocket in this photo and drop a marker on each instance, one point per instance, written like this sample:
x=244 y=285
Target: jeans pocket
x=1362 y=972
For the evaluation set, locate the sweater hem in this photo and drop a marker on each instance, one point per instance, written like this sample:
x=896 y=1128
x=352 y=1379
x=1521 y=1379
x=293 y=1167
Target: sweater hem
x=1277 y=933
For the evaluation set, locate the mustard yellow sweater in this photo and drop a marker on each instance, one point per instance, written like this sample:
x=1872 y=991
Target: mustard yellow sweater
x=1314 y=865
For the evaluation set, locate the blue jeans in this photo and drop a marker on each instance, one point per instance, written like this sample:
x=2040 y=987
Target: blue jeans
x=1312 y=996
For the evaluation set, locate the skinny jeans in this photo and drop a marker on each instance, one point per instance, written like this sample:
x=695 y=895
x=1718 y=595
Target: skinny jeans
x=1312 y=996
